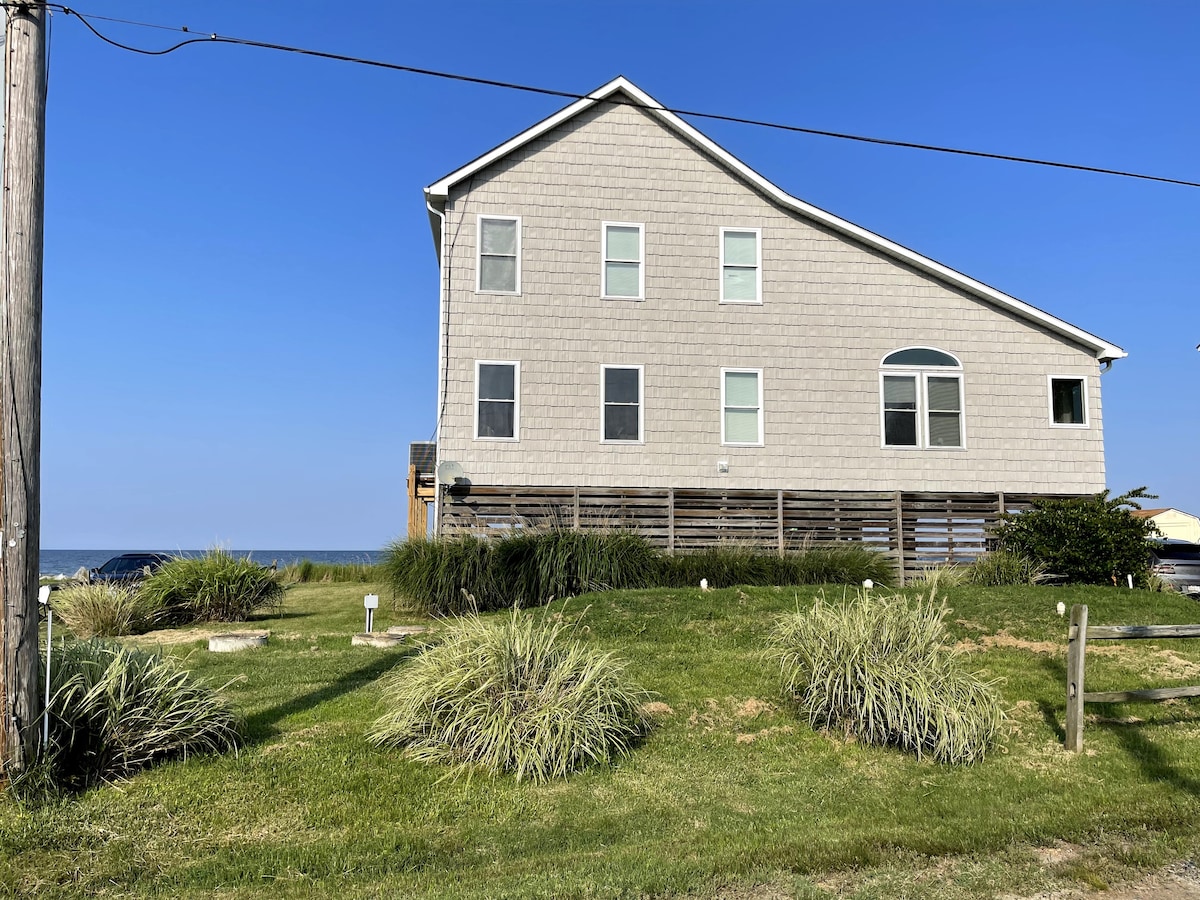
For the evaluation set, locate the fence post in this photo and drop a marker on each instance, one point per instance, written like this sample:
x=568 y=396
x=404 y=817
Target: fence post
x=670 y=521
x=779 y=517
x=900 y=533
x=1076 y=648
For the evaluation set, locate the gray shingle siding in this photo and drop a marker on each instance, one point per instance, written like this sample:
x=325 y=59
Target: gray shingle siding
x=831 y=310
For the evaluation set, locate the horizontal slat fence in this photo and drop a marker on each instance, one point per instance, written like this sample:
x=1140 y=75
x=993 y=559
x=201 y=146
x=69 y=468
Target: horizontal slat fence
x=919 y=529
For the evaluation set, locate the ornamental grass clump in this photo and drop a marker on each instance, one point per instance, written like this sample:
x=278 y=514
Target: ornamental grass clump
x=513 y=695
x=115 y=710
x=1004 y=567
x=215 y=587
x=884 y=671
x=444 y=576
x=725 y=566
x=105 y=610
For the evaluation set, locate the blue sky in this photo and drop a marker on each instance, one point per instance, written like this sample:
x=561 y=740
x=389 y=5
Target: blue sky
x=241 y=288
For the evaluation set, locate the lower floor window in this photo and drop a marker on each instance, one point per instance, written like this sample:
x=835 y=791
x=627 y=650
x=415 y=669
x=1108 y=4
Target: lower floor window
x=741 y=406
x=496 y=399
x=922 y=410
x=622 y=413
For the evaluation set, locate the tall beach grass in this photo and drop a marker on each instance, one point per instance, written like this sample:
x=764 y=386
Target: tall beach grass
x=883 y=670
x=516 y=695
x=215 y=587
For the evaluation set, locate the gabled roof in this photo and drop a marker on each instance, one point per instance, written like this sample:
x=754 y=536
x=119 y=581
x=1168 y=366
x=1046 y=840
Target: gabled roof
x=437 y=193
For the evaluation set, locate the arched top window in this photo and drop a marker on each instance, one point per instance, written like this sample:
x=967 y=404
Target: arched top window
x=921 y=399
x=921 y=356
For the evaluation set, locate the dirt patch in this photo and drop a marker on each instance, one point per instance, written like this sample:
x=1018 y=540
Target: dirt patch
x=173 y=636
x=752 y=708
x=765 y=733
x=657 y=708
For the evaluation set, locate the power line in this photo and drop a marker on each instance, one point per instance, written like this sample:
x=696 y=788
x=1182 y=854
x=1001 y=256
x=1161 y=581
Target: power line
x=214 y=38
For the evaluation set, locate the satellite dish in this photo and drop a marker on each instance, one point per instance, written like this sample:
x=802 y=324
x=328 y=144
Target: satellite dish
x=449 y=472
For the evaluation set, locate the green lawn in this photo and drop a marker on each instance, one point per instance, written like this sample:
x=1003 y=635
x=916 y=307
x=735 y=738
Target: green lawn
x=730 y=796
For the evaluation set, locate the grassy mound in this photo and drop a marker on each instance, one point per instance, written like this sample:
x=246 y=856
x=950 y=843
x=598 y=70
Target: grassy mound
x=215 y=587
x=515 y=695
x=105 y=610
x=115 y=710
x=884 y=671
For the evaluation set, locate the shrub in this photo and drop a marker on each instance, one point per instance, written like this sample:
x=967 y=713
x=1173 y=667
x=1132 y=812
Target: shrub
x=1090 y=540
x=513 y=695
x=1004 y=567
x=531 y=568
x=215 y=587
x=825 y=564
x=105 y=610
x=443 y=576
x=448 y=576
x=115 y=710
x=882 y=670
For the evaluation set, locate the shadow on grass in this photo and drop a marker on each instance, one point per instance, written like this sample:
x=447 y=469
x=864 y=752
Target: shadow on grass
x=1054 y=714
x=261 y=725
x=1136 y=738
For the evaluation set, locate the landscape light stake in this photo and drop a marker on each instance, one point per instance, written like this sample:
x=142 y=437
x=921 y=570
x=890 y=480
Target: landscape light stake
x=21 y=381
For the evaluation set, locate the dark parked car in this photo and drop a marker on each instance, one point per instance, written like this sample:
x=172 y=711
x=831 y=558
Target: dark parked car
x=129 y=567
x=1178 y=564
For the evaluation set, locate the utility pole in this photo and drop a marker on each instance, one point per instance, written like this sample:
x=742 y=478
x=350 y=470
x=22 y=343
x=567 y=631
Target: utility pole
x=21 y=381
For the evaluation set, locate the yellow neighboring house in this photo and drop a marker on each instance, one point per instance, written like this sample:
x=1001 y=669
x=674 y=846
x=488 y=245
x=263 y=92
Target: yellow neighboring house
x=1173 y=523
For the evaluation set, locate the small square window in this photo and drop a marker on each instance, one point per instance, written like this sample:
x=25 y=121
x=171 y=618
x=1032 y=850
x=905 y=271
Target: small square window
x=1068 y=402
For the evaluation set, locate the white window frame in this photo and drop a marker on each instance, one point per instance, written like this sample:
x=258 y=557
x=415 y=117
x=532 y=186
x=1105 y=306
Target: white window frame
x=758 y=295
x=761 y=412
x=922 y=374
x=479 y=289
x=1083 y=382
x=604 y=260
x=516 y=401
x=641 y=404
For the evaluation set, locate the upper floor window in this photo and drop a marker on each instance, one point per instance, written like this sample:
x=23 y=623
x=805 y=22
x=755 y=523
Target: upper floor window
x=741 y=265
x=497 y=399
x=623 y=274
x=499 y=264
x=741 y=407
x=1068 y=402
x=921 y=399
x=622 y=403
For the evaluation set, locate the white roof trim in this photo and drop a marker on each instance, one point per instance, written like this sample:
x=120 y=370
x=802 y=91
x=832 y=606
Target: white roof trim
x=439 y=190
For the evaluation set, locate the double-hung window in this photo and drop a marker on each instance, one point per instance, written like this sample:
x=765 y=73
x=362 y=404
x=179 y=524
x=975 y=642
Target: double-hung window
x=922 y=399
x=624 y=273
x=741 y=265
x=497 y=399
x=621 y=415
x=499 y=265
x=1068 y=402
x=742 y=407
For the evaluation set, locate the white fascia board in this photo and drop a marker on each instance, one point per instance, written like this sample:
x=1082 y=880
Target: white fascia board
x=439 y=190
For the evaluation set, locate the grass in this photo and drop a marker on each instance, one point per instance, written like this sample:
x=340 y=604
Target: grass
x=306 y=571
x=730 y=795
x=105 y=610
x=881 y=670
x=215 y=587
x=518 y=694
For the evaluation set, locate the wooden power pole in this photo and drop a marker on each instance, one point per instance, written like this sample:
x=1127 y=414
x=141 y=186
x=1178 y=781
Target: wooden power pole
x=21 y=381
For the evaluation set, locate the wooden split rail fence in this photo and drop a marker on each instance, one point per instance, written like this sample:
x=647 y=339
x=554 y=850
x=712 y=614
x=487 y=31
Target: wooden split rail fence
x=918 y=529
x=1078 y=636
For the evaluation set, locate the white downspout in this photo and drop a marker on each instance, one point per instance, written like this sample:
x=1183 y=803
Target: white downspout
x=443 y=330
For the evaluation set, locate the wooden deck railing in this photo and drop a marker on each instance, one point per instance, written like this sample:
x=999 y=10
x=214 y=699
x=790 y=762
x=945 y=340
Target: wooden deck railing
x=918 y=529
